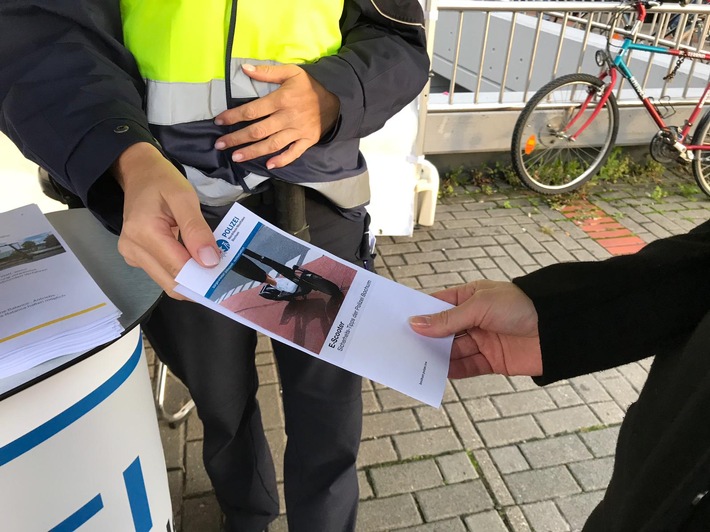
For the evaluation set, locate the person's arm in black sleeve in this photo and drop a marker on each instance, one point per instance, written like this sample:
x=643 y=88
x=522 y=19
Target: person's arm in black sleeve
x=71 y=95
x=596 y=315
x=381 y=67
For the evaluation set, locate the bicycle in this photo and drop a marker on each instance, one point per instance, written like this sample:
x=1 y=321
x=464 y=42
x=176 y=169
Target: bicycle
x=567 y=130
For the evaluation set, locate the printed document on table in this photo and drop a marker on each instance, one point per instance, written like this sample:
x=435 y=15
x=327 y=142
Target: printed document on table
x=49 y=304
x=343 y=314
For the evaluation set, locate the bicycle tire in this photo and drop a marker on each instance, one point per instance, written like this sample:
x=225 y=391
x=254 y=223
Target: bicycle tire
x=701 y=158
x=546 y=161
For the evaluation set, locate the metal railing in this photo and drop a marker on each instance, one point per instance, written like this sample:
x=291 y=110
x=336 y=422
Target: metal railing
x=489 y=57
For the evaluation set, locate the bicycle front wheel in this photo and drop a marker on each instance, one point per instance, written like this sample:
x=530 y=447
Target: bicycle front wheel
x=701 y=159
x=552 y=150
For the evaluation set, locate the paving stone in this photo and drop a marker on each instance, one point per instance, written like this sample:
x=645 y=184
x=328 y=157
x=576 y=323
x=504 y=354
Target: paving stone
x=397 y=249
x=173 y=446
x=576 y=508
x=452 y=500
x=388 y=423
x=376 y=452
x=393 y=400
x=476 y=241
x=411 y=270
x=450 y=394
x=484 y=263
x=589 y=389
x=405 y=478
x=432 y=418
x=269 y=397
x=201 y=514
x=522 y=383
x=601 y=442
x=516 y=519
x=593 y=474
x=387 y=514
x=622 y=392
x=564 y=395
x=277 y=443
x=488 y=521
x=482 y=386
x=176 y=485
x=527 y=402
x=267 y=374
x=448 y=525
x=539 y=484
x=558 y=251
x=509 y=267
x=555 y=451
x=461 y=265
x=608 y=412
x=424 y=256
x=509 y=459
x=426 y=443
x=440 y=279
x=438 y=245
x=494 y=481
x=465 y=430
x=370 y=404
x=193 y=427
x=510 y=430
x=196 y=479
x=464 y=253
x=364 y=485
x=456 y=467
x=545 y=516
x=481 y=409
x=567 y=419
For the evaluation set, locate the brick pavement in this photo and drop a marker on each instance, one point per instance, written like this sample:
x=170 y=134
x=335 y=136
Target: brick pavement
x=501 y=454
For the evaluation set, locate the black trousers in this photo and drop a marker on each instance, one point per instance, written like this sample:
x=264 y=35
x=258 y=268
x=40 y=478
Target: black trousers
x=214 y=357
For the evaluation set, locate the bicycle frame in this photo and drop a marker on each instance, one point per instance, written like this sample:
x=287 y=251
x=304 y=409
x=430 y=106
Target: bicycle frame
x=619 y=63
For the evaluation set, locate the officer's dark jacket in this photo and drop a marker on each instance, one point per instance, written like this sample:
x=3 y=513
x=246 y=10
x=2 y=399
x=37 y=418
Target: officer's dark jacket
x=597 y=315
x=72 y=98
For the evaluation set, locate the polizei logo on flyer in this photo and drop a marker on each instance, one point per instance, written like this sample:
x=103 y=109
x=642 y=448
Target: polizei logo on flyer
x=231 y=231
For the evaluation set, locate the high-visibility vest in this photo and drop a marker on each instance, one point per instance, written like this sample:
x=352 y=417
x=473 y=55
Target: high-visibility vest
x=181 y=49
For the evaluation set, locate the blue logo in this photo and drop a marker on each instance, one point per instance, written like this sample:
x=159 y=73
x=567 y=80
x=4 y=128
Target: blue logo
x=223 y=245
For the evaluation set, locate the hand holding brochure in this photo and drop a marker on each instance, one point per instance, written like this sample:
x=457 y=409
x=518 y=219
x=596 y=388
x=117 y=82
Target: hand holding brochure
x=49 y=304
x=307 y=298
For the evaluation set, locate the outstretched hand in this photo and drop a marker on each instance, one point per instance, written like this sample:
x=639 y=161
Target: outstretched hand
x=160 y=205
x=495 y=325
x=297 y=114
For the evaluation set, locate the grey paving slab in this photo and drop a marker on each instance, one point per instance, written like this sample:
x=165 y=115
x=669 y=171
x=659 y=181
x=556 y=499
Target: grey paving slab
x=388 y=513
x=451 y=500
x=405 y=478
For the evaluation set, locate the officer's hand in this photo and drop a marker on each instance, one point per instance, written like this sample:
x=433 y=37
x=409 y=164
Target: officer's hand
x=160 y=204
x=495 y=325
x=298 y=113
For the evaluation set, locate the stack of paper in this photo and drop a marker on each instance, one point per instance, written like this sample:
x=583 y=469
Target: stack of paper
x=311 y=300
x=49 y=304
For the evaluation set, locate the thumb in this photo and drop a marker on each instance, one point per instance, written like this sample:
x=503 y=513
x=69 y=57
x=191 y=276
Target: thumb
x=270 y=73
x=196 y=235
x=444 y=323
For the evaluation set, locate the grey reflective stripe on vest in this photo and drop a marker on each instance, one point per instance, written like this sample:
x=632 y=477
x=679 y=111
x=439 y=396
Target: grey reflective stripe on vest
x=177 y=103
x=346 y=193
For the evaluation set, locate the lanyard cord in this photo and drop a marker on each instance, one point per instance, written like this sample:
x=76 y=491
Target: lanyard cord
x=228 y=59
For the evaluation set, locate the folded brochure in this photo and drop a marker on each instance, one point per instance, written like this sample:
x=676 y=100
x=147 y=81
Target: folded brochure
x=49 y=304
x=327 y=307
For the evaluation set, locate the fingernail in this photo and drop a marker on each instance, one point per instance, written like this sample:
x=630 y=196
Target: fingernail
x=219 y=121
x=270 y=166
x=220 y=145
x=208 y=256
x=236 y=157
x=249 y=68
x=420 y=321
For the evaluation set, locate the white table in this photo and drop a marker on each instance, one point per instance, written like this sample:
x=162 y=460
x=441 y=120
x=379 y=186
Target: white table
x=79 y=439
